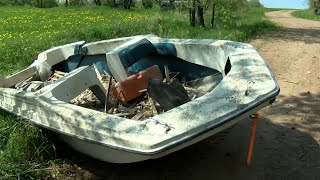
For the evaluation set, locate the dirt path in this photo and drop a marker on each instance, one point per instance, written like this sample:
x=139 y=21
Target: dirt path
x=288 y=136
x=294 y=57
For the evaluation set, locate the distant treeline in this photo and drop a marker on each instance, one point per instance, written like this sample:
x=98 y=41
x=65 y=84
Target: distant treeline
x=37 y=3
x=118 y=3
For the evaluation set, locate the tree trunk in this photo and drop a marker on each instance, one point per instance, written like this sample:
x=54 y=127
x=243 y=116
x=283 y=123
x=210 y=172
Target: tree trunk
x=129 y=4
x=316 y=7
x=199 y=15
x=212 y=15
x=196 y=14
x=97 y=2
x=67 y=3
x=192 y=17
x=126 y=4
x=192 y=13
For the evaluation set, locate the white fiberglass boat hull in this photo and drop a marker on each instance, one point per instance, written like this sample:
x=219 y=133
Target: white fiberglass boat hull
x=247 y=86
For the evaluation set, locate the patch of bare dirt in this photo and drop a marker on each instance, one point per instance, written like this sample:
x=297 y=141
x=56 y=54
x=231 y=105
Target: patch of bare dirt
x=294 y=57
x=288 y=134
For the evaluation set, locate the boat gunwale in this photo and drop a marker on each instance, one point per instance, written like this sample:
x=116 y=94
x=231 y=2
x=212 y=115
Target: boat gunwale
x=270 y=97
x=226 y=118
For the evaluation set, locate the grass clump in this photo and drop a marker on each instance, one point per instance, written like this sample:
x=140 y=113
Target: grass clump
x=306 y=14
x=25 y=150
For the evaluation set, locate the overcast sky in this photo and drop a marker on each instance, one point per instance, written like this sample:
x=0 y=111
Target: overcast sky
x=292 y=4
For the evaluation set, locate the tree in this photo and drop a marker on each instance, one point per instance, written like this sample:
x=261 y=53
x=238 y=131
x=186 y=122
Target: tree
x=315 y=4
x=97 y=2
x=197 y=9
x=127 y=4
x=196 y=12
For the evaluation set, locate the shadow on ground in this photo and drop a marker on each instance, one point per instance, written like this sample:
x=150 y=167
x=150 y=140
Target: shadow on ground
x=309 y=36
x=281 y=151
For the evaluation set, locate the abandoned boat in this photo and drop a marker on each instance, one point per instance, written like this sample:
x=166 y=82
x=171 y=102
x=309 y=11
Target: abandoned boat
x=236 y=80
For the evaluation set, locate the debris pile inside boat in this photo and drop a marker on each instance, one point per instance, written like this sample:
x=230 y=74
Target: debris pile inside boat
x=145 y=94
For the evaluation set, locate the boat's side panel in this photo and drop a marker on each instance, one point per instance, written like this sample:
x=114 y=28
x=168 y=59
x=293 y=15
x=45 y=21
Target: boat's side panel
x=114 y=155
x=247 y=87
x=57 y=54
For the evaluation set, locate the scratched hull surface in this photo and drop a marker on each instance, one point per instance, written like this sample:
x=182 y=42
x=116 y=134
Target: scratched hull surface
x=247 y=86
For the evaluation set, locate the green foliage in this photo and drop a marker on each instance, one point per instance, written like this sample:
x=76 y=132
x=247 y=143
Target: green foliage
x=23 y=149
x=110 y=3
x=15 y=2
x=44 y=3
x=182 y=5
x=119 y=3
x=306 y=14
x=222 y=9
x=224 y=17
x=36 y=3
x=147 y=4
x=313 y=3
x=78 y=2
x=233 y=5
x=254 y=3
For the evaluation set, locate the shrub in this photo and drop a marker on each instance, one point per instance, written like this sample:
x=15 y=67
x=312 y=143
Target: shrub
x=224 y=17
x=255 y=3
x=147 y=4
x=15 y=2
x=77 y=2
x=110 y=3
x=44 y=3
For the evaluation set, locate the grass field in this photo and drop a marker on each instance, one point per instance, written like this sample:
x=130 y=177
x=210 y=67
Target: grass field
x=306 y=14
x=25 y=150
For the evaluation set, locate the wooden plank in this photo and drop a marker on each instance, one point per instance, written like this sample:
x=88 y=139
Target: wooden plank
x=153 y=107
x=14 y=79
x=125 y=109
x=194 y=90
x=139 y=115
x=59 y=72
x=142 y=90
x=123 y=114
x=166 y=72
x=106 y=105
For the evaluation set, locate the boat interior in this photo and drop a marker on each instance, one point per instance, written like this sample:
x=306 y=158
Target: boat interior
x=70 y=80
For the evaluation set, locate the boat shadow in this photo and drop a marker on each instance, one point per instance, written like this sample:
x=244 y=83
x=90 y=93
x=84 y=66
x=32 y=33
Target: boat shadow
x=283 y=150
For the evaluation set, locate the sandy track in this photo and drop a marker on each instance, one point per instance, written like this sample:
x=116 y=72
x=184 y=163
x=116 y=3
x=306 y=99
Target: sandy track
x=288 y=135
x=294 y=57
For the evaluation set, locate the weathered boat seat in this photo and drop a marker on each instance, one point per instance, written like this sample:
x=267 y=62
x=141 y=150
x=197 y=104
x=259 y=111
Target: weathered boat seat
x=134 y=52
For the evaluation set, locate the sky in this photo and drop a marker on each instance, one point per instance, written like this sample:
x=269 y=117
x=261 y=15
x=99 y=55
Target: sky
x=291 y=4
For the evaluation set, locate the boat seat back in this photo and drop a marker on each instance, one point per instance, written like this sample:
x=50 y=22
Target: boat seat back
x=135 y=52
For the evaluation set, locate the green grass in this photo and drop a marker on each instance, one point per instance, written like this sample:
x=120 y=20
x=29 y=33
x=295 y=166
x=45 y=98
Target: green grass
x=27 y=152
x=276 y=9
x=306 y=14
x=24 y=149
